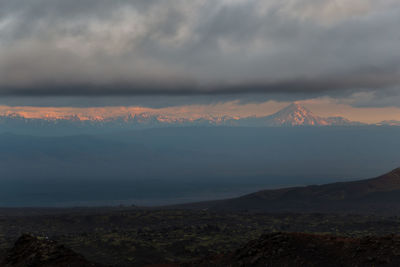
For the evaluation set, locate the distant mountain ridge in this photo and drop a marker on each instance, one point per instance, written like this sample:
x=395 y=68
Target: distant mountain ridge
x=376 y=195
x=292 y=115
x=389 y=123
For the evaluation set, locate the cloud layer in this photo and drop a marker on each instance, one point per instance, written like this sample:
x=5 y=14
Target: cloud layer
x=198 y=47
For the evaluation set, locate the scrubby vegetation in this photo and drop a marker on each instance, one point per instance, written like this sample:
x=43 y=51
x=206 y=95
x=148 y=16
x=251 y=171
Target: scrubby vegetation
x=129 y=236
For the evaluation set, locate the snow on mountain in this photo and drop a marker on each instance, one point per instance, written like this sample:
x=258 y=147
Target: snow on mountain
x=389 y=123
x=292 y=115
x=297 y=115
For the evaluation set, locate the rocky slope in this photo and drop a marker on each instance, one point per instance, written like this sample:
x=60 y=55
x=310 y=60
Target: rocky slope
x=33 y=251
x=299 y=249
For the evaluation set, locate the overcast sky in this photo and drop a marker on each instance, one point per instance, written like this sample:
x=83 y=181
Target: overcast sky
x=199 y=51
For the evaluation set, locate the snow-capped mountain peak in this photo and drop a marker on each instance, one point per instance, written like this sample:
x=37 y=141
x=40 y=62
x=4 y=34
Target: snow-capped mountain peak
x=296 y=114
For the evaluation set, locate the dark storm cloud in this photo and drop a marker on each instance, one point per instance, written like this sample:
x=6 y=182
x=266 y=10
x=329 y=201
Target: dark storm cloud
x=184 y=48
x=363 y=79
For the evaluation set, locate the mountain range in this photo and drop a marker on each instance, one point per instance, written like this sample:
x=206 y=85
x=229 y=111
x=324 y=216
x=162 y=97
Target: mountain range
x=292 y=115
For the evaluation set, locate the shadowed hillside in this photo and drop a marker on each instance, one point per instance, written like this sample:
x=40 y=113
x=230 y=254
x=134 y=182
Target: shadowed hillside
x=33 y=251
x=381 y=194
x=298 y=249
x=140 y=237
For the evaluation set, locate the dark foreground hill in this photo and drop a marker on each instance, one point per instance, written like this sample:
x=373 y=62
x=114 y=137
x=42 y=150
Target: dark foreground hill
x=35 y=252
x=275 y=249
x=139 y=237
x=376 y=195
x=299 y=249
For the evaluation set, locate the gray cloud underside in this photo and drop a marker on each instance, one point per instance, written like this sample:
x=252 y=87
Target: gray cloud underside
x=198 y=47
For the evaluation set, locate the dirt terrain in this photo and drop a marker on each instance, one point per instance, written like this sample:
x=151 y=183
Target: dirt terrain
x=33 y=251
x=277 y=249
x=299 y=249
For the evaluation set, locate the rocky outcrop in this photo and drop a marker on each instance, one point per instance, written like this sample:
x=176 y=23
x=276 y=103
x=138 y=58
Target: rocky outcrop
x=300 y=249
x=40 y=252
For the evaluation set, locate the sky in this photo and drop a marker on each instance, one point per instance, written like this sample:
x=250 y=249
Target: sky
x=338 y=57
